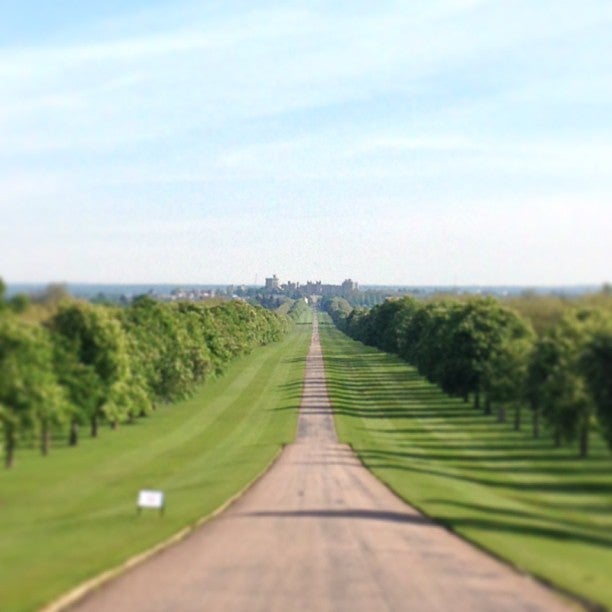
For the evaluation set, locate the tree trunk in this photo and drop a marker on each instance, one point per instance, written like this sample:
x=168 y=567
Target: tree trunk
x=73 y=439
x=9 y=445
x=584 y=439
x=557 y=437
x=466 y=398
x=45 y=438
x=94 y=425
x=501 y=414
x=477 y=400
x=114 y=424
x=488 y=409
x=536 y=422
x=518 y=418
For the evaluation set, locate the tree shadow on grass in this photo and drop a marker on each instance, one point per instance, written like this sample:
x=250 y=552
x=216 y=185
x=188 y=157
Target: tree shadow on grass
x=294 y=360
x=569 y=534
x=512 y=461
x=349 y=513
x=423 y=431
x=400 y=460
x=370 y=409
x=514 y=513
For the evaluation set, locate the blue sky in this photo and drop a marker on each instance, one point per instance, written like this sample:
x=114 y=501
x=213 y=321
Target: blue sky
x=404 y=142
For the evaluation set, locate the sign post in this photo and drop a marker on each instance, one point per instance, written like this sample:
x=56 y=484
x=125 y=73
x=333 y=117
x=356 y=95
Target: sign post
x=148 y=498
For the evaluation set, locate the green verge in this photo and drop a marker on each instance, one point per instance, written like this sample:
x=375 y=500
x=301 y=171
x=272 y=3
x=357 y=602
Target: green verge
x=70 y=516
x=542 y=509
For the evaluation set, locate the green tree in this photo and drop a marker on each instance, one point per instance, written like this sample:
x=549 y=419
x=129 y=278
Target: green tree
x=30 y=397
x=508 y=366
x=19 y=303
x=160 y=348
x=394 y=332
x=563 y=395
x=596 y=364
x=338 y=309
x=91 y=359
x=383 y=326
x=493 y=344
x=450 y=343
x=542 y=360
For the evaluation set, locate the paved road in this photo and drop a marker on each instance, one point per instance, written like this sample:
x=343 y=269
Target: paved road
x=319 y=532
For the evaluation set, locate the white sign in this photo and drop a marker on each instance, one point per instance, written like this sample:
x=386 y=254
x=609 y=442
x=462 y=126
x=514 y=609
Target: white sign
x=150 y=499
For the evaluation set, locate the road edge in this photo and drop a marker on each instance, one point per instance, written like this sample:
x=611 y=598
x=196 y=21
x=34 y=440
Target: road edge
x=64 y=601
x=569 y=597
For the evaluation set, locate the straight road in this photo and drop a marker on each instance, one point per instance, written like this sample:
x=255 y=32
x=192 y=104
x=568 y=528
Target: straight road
x=319 y=532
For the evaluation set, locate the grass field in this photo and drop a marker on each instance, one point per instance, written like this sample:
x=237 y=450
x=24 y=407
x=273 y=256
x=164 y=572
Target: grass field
x=541 y=508
x=67 y=517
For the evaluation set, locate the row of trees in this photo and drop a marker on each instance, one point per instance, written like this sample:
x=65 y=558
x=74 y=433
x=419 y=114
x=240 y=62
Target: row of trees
x=483 y=350
x=88 y=364
x=296 y=309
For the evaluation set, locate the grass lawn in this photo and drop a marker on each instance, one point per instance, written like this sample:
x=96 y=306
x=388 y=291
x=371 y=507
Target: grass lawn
x=541 y=508
x=71 y=515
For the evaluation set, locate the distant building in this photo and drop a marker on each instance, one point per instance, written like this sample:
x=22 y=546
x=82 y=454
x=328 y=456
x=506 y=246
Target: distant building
x=290 y=286
x=313 y=288
x=316 y=288
x=272 y=284
x=349 y=286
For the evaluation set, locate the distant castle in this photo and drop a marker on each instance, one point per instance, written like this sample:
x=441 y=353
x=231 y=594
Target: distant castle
x=273 y=285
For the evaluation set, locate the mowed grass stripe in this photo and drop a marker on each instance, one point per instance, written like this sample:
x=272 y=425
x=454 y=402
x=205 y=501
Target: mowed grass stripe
x=72 y=515
x=541 y=508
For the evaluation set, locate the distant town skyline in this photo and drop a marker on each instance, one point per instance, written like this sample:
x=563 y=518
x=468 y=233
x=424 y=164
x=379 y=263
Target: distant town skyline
x=421 y=142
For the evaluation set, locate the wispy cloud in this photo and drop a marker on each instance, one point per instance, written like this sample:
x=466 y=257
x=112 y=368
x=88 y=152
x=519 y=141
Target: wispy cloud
x=261 y=64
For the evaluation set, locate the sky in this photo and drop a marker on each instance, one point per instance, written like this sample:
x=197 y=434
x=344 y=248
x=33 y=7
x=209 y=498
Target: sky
x=415 y=142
